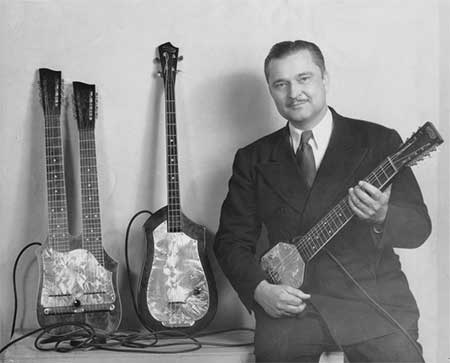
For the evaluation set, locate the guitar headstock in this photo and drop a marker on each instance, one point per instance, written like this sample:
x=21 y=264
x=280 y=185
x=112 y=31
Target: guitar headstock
x=168 y=57
x=85 y=105
x=51 y=90
x=424 y=141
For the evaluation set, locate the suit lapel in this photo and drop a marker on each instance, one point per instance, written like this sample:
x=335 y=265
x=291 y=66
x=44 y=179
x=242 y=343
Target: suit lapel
x=282 y=174
x=336 y=172
x=341 y=160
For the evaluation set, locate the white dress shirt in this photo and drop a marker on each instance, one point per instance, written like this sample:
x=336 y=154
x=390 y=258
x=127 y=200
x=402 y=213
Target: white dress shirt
x=321 y=137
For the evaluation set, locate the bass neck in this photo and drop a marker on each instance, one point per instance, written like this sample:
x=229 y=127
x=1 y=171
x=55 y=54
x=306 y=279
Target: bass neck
x=174 y=214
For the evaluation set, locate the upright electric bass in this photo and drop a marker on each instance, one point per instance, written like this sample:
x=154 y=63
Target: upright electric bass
x=177 y=288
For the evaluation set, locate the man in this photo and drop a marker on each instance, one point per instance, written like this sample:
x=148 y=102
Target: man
x=354 y=291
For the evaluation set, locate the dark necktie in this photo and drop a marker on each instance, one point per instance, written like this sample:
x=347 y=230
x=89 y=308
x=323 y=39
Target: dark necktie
x=305 y=158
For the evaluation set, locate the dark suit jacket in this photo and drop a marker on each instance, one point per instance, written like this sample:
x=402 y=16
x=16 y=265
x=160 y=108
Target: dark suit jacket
x=266 y=188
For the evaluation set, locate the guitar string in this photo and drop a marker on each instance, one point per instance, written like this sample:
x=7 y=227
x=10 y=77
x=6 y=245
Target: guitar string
x=343 y=205
x=93 y=222
x=171 y=175
x=53 y=133
x=53 y=156
x=85 y=193
x=319 y=228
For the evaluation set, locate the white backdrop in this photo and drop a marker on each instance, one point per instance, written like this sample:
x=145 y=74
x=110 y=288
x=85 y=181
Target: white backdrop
x=388 y=62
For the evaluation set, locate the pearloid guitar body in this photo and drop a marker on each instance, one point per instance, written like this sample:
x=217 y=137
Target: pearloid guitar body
x=284 y=265
x=176 y=284
x=75 y=287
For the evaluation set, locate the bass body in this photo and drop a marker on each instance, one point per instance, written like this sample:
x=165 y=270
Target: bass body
x=176 y=289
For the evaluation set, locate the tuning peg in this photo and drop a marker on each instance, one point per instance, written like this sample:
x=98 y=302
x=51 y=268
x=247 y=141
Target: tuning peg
x=180 y=58
x=179 y=71
x=156 y=60
x=159 y=74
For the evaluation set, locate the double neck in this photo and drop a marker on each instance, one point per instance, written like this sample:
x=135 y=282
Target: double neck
x=174 y=223
x=90 y=205
x=318 y=236
x=58 y=236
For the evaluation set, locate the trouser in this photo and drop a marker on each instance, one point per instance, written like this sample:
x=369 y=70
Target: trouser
x=304 y=339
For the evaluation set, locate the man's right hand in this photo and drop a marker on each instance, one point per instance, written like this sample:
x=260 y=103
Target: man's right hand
x=280 y=300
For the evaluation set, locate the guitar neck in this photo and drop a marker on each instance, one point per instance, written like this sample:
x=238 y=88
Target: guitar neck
x=56 y=190
x=322 y=232
x=90 y=205
x=173 y=186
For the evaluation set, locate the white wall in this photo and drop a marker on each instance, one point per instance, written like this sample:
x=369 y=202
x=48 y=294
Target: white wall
x=388 y=62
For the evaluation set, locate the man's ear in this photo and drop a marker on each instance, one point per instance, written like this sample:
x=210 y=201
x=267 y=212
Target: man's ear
x=326 y=80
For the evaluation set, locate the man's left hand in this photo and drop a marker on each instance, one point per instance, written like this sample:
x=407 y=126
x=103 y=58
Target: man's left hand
x=368 y=202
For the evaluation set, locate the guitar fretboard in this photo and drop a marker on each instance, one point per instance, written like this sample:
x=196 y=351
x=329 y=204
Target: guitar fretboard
x=56 y=191
x=322 y=232
x=173 y=186
x=90 y=205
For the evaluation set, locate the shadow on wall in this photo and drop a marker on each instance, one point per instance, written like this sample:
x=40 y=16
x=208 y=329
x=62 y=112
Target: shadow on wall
x=247 y=106
x=33 y=225
x=145 y=200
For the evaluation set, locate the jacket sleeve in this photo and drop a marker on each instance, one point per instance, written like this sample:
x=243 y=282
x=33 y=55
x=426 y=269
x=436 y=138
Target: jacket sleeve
x=407 y=223
x=239 y=230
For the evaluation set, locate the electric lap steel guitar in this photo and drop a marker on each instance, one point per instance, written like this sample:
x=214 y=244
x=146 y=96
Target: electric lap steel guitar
x=177 y=289
x=77 y=280
x=285 y=263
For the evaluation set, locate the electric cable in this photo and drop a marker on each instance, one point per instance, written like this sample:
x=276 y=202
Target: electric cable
x=383 y=311
x=174 y=331
x=84 y=337
x=13 y=325
x=127 y=263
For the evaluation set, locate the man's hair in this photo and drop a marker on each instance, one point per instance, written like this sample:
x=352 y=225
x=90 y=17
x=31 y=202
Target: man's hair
x=283 y=49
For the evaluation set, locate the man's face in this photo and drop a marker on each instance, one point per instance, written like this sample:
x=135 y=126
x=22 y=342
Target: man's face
x=298 y=89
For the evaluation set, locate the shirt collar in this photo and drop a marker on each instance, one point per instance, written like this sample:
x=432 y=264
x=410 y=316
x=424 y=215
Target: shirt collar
x=321 y=132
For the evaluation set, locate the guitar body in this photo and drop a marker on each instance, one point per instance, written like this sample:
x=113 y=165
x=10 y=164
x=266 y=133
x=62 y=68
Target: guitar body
x=75 y=287
x=283 y=264
x=177 y=289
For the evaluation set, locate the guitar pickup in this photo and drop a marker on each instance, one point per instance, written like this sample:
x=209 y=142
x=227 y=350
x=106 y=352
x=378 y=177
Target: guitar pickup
x=61 y=310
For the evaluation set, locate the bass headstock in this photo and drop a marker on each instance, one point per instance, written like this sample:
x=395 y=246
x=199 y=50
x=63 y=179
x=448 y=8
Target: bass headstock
x=85 y=105
x=168 y=58
x=424 y=141
x=51 y=90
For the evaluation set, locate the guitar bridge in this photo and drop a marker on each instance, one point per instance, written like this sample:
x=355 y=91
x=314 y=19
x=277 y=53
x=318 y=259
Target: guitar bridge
x=61 y=310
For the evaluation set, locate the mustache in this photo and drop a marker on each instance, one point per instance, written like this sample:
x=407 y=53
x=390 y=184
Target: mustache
x=297 y=100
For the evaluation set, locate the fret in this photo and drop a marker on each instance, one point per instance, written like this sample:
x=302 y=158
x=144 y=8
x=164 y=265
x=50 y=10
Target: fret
x=392 y=165
x=378 y=183
x=335 y=220
x=87 y=158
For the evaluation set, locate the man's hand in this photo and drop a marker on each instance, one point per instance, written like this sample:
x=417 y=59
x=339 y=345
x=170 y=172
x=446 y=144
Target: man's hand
x=369 y=203
x=280 y=300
